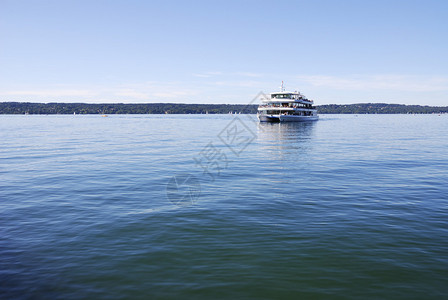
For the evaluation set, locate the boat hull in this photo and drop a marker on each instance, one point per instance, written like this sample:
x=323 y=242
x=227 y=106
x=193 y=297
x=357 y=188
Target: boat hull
x=286 y=118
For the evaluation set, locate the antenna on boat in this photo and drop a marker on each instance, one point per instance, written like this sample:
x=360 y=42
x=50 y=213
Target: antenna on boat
x=282 y=87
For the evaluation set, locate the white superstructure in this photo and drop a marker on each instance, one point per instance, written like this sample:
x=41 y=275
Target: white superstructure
x=286 y=107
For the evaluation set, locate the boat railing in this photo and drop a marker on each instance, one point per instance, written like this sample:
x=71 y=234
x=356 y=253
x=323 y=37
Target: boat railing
x=283 y=105
x=267 y=98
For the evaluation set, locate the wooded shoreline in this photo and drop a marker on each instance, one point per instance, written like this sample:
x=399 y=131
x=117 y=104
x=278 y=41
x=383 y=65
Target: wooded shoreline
x=174 y=108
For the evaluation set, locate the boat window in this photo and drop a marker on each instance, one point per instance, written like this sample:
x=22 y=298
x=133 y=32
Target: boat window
x=282 y=96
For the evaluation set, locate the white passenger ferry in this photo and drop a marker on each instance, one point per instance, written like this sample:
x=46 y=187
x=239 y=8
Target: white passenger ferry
x=286 y=107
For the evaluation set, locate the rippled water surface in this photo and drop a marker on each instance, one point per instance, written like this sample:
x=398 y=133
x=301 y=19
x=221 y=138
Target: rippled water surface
x=219 y=206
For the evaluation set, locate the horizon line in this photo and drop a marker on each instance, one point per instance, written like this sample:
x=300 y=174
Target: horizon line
x=176 y=103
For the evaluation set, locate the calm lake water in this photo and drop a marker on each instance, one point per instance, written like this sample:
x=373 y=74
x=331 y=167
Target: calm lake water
x=219 y=206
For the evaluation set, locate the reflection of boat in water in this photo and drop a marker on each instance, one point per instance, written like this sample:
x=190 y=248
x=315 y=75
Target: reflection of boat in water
x=286 y=107
x=289 y=142
x=285 y=133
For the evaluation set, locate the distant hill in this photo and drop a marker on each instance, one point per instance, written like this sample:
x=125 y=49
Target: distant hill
x=120 y=108
x=174 y=108
x=380 y=108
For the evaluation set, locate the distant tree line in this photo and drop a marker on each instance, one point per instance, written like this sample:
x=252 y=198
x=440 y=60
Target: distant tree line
x=173 y=108
x=120 y=108
x=380 y=108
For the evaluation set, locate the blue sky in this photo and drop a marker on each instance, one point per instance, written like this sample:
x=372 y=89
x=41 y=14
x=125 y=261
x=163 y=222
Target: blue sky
x=223 y=51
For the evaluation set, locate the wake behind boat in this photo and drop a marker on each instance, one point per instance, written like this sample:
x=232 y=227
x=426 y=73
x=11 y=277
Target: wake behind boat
x=286 y=107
